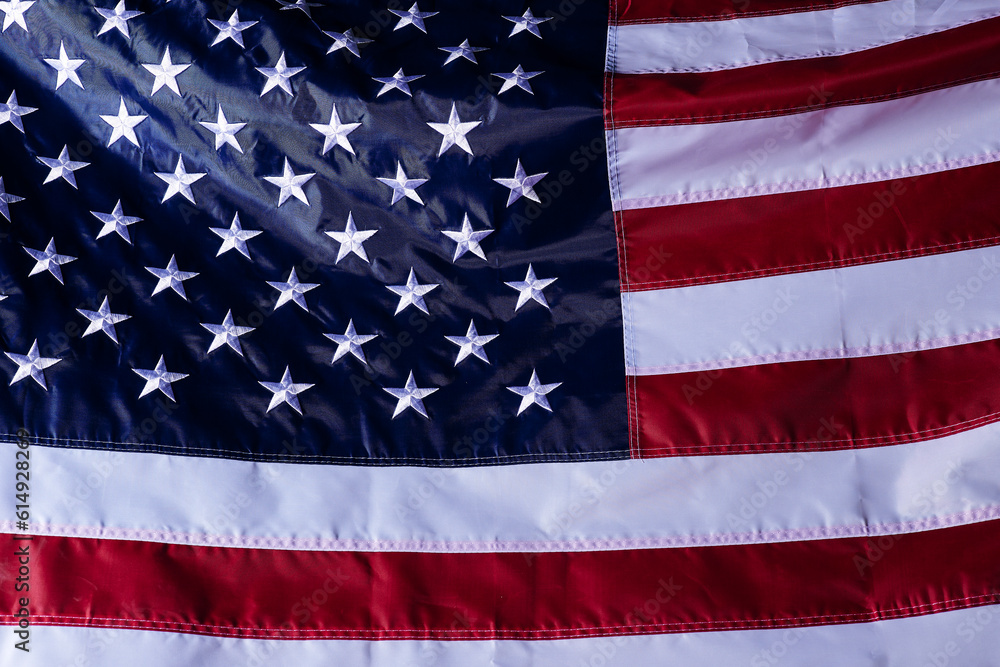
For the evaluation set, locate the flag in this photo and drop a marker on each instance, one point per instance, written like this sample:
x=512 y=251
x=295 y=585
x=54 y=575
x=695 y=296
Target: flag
x=548 y=333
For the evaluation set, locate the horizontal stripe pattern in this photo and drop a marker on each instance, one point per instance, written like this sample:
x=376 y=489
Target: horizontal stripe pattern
x=921 y=134
x=755 y=40
x=662 y=11
x=687 y=500
x=509 y=596
x=965 y=636
x=896 y=70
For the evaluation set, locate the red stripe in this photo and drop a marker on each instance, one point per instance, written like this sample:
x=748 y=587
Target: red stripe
x=732 y=239
x=663 y=11
x=257 y=593
x=819 y=405
x=917 y=65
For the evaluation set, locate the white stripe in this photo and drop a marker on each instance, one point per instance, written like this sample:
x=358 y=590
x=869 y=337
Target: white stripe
x=666 y=502
x=962 y=638
x=865 y=310
x=926 y=133
x=718 y=45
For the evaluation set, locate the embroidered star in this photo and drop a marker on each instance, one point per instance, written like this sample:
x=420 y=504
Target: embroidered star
x=299 y=4
x=166 y=73
x=103 y=319
x=49 y=260
x=518 y=78
x=279 y=75
x=180 y=181
x=410 y=396
x=346 y=40
x=224 y=131
x=116 y=19
x=116 y=222
x=6 y=199
x=13 y=11
x=62 y=167
x=335 y=132
x=350 y=342
x=290 y=184
x=11 y=111
x=351 y=240
x=521 y=185
x=530 y=288
x=227 y=333
x=403 y=186
x=463 y=50
x=468 y=240
x=285 y=391
x=453 y=132
x=397 y=81
x=159 y=378
x=170 y=278
x=471 y=344
x=292 y=290
x=412 y=293
x=412 y=16
x=534 y=393
x=31 y=365
x=65 y=67
x=123 y=125
x=235 y=238
x=231 y=29
x=526 y=23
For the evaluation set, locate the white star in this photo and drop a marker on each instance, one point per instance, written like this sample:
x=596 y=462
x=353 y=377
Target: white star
x=351 y=240
x=159 y=378
x=335 y=132
x=292 y=290
x=123 y=125
x=398 y=81
x=534 y=393
x=403 y=186
x=521 y=185
x=103 y=319
x=231 y=29
x=227 y=333
x=290 y=184
x=224 y=131
x=412 y=16
x=527 y=22
x=471 y=344
x=279 y=75
x=179 y=182
x=299 y=4
x=116 y=18
x=116 y=222
x=62 y=167
x=49 y=260
x=235 y=238
x=350 y=342
x=412 y=293
x=31 y=365
x=518 y=78
x=453 y=132
x=14 y=13
x=6 y=199
x=463 y=50
x=166 y=73
x=170 y=278
x=11 y=111
x=346 y=40
x=468 y=240
x=65 y=67
x=285 y=391
x=410 y=396
x=530 y=288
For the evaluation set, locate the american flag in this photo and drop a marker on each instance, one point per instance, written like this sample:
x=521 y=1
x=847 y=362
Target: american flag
x=459 y=333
